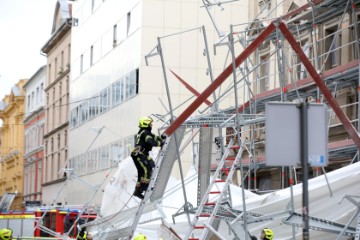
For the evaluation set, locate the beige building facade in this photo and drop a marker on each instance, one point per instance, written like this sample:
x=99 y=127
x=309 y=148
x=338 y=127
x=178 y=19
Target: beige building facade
x=57 y=50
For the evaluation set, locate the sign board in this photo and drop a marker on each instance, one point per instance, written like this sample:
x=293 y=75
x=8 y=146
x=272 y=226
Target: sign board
x=283 y=134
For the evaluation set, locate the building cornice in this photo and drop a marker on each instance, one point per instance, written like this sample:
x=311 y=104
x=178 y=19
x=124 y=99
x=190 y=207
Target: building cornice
x=56 y=129
x=57 y=36
x=66 y=71
x=38 y=111
x=63 y=179
x=37 y=150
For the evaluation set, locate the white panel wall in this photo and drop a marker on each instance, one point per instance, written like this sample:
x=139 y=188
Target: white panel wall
x=138 y=25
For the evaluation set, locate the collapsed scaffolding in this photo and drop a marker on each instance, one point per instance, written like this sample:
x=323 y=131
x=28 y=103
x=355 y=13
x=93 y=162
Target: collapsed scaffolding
x=348 y=77
x=304 y=82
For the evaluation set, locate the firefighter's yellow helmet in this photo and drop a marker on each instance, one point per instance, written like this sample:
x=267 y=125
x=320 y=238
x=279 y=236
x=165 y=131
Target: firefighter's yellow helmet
x=269 y=234
x=145 y=122
x=140 y=236
x=5 y=233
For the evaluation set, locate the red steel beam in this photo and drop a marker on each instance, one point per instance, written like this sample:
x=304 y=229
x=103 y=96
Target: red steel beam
x=321 y=84
x=219 y=80
x=191 y=89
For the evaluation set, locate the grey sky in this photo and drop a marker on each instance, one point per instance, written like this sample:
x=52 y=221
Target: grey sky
x=25 y=26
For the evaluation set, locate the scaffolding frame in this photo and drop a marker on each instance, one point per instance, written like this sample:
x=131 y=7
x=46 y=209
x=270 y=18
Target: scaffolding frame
x=319 y=85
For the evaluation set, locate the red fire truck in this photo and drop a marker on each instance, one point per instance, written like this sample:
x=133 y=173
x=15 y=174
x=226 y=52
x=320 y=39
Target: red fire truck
x=59 y=220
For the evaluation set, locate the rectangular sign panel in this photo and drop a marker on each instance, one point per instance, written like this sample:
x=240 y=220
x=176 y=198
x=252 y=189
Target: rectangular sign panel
x=283 y=134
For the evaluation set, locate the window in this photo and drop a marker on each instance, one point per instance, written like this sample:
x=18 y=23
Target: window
x=128 y=19
x=92 y=161
x=58 y=162
x=104 y=100
x=115 y=93
x=299 y=68
x=28 y=103
x=58 y=141
x=122 y=90
x=46 y=148
x=81 y=63
x=80 y=117
x=32 y=100
x=104 y=158
x=128 y=141
x=59 y=109
x=81 y=165
x=67 y=84
x=133 y=90
x=62 y=61
x=116 y=153
x=49 y=74
x=74 y=117
x=40 y=174
x=91 y=55
x=37 y=95
x=264 y=73
x=92 y=107
x=41 y=91
x=42 y=134
x=53 y=114
x=68 y=56
x=332 y=46
x=114 y=35
x=56 y=67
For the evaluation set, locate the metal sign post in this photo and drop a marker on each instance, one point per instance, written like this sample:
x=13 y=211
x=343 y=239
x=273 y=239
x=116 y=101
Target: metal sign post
x=304 y=167
x=297 y=134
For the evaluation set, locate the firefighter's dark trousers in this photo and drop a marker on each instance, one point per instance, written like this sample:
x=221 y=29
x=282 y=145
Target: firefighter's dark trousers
x=144 y=165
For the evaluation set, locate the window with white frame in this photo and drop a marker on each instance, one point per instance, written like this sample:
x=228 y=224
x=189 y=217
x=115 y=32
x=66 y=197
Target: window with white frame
x=332 y=46
x=104 y=161
x=117 y=153
x=115 y=93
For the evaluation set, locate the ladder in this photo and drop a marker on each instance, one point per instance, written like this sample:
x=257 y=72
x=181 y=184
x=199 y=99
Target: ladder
x=216 y=205
x=161 y=174
x=122 y=225
x=357 y=232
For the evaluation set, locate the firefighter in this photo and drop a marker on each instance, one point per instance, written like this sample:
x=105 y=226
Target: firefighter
x=6 y=234
x=266 y=234
x=84 y=235
x=140 y=236
x=144 y=142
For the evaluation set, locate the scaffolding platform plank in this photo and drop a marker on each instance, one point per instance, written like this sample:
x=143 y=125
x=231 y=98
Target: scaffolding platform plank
x=320 y=224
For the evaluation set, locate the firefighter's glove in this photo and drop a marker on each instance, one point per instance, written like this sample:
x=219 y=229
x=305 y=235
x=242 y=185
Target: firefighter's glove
x=151 y=163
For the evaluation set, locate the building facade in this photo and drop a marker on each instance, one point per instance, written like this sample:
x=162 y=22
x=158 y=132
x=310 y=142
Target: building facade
x=34 y=124
x=57 y=51
x=112 y=86
x=12 y=110
x=329 y=40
